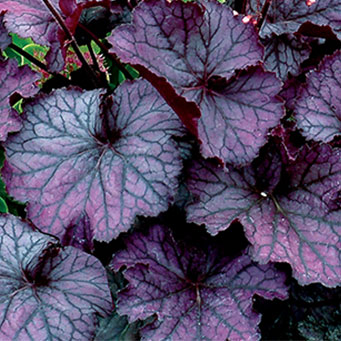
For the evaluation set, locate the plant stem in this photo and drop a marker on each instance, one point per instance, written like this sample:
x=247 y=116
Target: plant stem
x=29 y=57
x=74 y=44
x=36 y=61
x=263 y=14
x=106 y=51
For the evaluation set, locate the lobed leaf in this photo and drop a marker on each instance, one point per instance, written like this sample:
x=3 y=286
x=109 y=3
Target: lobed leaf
x=290 y=212
x=13 y=80
x=195 y=294
x=318 y=108
x=111 y=161
x=197 y=48
x=47 y=292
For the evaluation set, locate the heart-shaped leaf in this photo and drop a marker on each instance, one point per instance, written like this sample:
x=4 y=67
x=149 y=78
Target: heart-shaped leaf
x=197 y=49
x=318 y=109
x=47 y=292
x=112 y=161
x=290 y=212
x=196 y=294
x=13 y=80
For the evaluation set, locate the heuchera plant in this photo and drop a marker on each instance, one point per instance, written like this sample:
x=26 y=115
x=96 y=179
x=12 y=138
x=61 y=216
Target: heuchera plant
x=123 y=184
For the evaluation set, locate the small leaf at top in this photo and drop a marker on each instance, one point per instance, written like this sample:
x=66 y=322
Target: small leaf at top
x=111 y=161
x=47 y=292
x=196 y=294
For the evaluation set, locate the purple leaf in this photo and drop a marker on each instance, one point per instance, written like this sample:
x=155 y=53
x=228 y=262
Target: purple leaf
x=290 y=213
x=5 y=39
x=32 y=19
x=13 y=80
x=47 y=292
x=284 y=54
x=318 y=109
x=79 y=234
x=196 y=295
x=286 y=16
x=75 y=155
x=197 y=49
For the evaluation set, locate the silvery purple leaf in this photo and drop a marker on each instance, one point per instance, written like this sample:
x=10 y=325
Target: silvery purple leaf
x=197 y=49
x=283 y=54
x=290 y=212
x=318 y=108
x=47 y=292
x=195 y=294
x=111 y=161
x=5 y=39
x=32 y=19
x=286 y=16
x=13 y=80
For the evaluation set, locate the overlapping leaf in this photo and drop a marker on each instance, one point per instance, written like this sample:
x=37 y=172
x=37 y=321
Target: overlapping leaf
x=5 y=40
x=196 y=295
x=318 y=109
x=13 y=80
x=286 y=16
x=290 y=213
x=46 y=292
x=111 y=163
x=197 y=49
x=284 y=54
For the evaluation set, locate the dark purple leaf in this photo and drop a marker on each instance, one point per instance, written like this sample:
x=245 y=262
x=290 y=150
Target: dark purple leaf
x=5 y=39
x=110 y=162
x=47 y=292
x=196 y=295
x=284 y=54
x=286 y=16
x=318 y=109
x=290 y=213
x=198 y=48
x=13 y=80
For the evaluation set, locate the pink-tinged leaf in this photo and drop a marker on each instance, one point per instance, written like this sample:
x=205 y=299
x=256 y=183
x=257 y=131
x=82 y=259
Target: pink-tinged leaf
x=290 y=212
x=196 y=294
x=197 y=49
x=318 y=109
x=112 y=161
x=32 y=19
x=47 y=292
x=286 y=16
x=284 y=54
x=5 y=39
x=13 y=80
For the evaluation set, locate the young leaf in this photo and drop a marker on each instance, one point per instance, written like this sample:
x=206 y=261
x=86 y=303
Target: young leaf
x=318 y=109
x=290 y=212
x=197 y=49
x=13 y=80
x=47 y=292
x=195 y=294
x=111 y=162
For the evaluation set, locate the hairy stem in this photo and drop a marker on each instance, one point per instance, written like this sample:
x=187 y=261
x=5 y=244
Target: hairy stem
x=74 y=44
x=93 y=57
